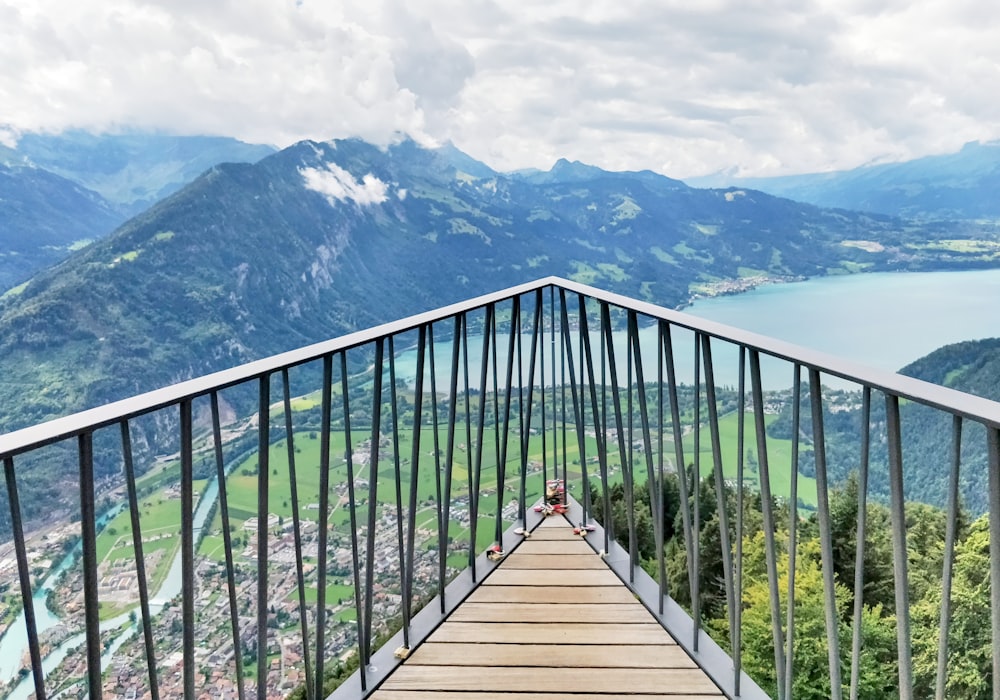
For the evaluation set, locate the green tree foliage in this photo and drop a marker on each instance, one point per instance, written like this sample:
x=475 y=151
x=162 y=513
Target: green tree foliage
x=969 y=651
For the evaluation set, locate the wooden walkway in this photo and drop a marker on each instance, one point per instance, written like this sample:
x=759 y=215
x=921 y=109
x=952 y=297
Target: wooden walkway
x=552 y=621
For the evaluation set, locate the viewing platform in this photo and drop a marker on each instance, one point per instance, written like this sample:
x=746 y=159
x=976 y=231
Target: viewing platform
x=326 y=520
x=554 y=621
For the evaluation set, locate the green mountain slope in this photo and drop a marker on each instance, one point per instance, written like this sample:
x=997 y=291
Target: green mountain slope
x=43 y=217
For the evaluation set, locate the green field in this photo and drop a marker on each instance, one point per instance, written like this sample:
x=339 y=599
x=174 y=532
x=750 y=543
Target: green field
x=160 y=511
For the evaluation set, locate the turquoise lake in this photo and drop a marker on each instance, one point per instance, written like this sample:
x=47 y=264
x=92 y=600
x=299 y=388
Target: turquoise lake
x=882 y=320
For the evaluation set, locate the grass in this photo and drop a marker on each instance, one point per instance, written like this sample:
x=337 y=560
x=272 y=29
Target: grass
x=160 y=523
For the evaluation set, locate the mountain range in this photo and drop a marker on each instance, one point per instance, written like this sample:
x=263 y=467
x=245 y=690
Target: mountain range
x=253 y=259
x=60 y=192
x=962 y=185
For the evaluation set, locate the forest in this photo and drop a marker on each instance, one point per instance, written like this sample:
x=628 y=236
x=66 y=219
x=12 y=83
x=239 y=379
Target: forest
x=969 y=672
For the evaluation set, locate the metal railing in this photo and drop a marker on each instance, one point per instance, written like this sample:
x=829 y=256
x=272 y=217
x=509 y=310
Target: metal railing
x=359 y=482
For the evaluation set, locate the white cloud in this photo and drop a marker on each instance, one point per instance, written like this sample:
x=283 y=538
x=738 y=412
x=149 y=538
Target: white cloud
x=8 y=138
x=338 y=185
x=680 y=87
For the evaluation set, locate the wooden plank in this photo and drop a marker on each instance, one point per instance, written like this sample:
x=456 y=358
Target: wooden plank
x=555 y=521
x=558 y=655
x=553 y=533
x=435 y=695
x=552 y=577
x=551 y=594
x=606 y=613
x=574 y=546
x=563 y=633
x=517 y=560
x=632 y=681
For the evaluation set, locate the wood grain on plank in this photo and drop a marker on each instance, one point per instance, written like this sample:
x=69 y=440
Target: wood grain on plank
x=495 y=593
x=519 y=560
x=545 y=680
x=605 y=613
x=553 y=577
x=570 y=632
x=558 y=655
x=574 y=546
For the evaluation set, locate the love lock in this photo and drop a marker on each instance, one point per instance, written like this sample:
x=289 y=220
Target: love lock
x=495 y=553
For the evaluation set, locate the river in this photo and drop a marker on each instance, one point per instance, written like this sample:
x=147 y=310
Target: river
x=15 y=642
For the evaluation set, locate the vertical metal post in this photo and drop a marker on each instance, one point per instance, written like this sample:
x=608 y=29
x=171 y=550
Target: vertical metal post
x=508 y=384
x=993 y=449
x=411 y=520
x=373 y=460
x=526 y=410
x=600 y=435
x=899 y=554
x=227 y=541
x=471 y=481
x=720 y=484
x=696 y=486
x=438 y=492
x=738 y=571
x=352 y=503
x=574 y=392
x=619 y=422
x=140 y=561
x=652 y=484
x=263 y=494
x=88 y=527
x=661 y=506
x=402 y=540
x=678 y=437
x=767 y=506
x=24 y=577
x=555 y=403
x=950 y=536
x=793 y=525
x=480 y=425
x=444 y=524
x=540 y=304
x=296 y=528
x=859 y=556
x=825 y=536
x=326 y=409
x=633 y=535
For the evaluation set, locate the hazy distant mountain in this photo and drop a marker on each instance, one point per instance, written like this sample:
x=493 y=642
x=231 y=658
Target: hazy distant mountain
x=132 y=170
x=60 y=192
x=963 y=185
x=43 y=217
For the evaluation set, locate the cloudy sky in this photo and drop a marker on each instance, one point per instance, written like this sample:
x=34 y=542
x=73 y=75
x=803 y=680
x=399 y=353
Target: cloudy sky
x=684 y=87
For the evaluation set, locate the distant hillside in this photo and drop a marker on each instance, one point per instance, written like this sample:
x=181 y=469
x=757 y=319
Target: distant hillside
x=132 y=170
x=972 y=367
x=963 y=185
x=58 y=193
x=44 y=217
